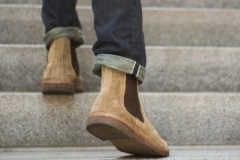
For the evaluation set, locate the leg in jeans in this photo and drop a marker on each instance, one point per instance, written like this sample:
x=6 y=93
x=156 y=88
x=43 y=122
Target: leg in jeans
x=63 y=35
x=119 y=30
x=117 y=114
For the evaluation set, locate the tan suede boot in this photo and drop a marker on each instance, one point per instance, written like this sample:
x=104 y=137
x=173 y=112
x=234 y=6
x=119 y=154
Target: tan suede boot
x=59 y=75
x=118 y=116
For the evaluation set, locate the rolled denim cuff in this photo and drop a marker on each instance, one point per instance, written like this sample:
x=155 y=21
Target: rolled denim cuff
x=119 y=63
x=74 y=33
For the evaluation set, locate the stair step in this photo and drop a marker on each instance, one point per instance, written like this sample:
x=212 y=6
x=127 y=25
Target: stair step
x=169 y=69
x=34 y=120
x=76 y=153
x=162 y=26
x=156 y=3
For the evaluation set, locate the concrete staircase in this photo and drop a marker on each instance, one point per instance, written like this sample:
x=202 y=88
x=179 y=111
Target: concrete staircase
x=190 y=92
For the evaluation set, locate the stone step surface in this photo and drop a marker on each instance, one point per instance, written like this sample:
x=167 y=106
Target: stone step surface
x=34 y=120
x=76 y=153
x=155 y=3
x=169 y=69
x=162 y=26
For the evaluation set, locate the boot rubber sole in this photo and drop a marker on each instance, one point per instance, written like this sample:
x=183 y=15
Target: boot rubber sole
x=58 y=88
x=122 y=137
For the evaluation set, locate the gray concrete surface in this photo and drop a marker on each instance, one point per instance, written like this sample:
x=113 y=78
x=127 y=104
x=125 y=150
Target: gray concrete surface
x=169 y=69
x=192 y=3
x=155 y=3
x=75 y=153
x=165 y=27
x=21 y=68
x=31 y=119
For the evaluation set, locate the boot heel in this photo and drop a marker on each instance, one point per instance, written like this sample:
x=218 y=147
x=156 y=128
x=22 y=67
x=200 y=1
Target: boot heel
x=107 y=128
x=58 y=88
x=121 y=136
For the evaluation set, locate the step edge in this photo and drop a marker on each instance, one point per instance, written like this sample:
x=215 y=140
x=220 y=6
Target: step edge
x=147 y=47
x=146 y=8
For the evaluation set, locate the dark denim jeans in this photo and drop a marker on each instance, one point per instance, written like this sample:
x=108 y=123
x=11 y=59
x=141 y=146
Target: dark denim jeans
x=118 y=25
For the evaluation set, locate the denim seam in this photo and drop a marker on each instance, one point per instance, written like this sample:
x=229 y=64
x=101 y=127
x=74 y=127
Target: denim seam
x=138 y=71
x=74 y=33
x=133 y=67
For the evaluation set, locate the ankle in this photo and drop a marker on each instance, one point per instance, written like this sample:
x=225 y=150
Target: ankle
x=122 y=87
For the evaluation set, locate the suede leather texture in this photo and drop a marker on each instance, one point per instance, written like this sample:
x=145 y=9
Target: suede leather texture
x=60 y=68
x=110 y=102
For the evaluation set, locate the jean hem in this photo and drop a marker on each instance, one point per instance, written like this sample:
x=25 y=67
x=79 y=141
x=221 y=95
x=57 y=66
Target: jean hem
x=119 y=63
x=74 y=33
